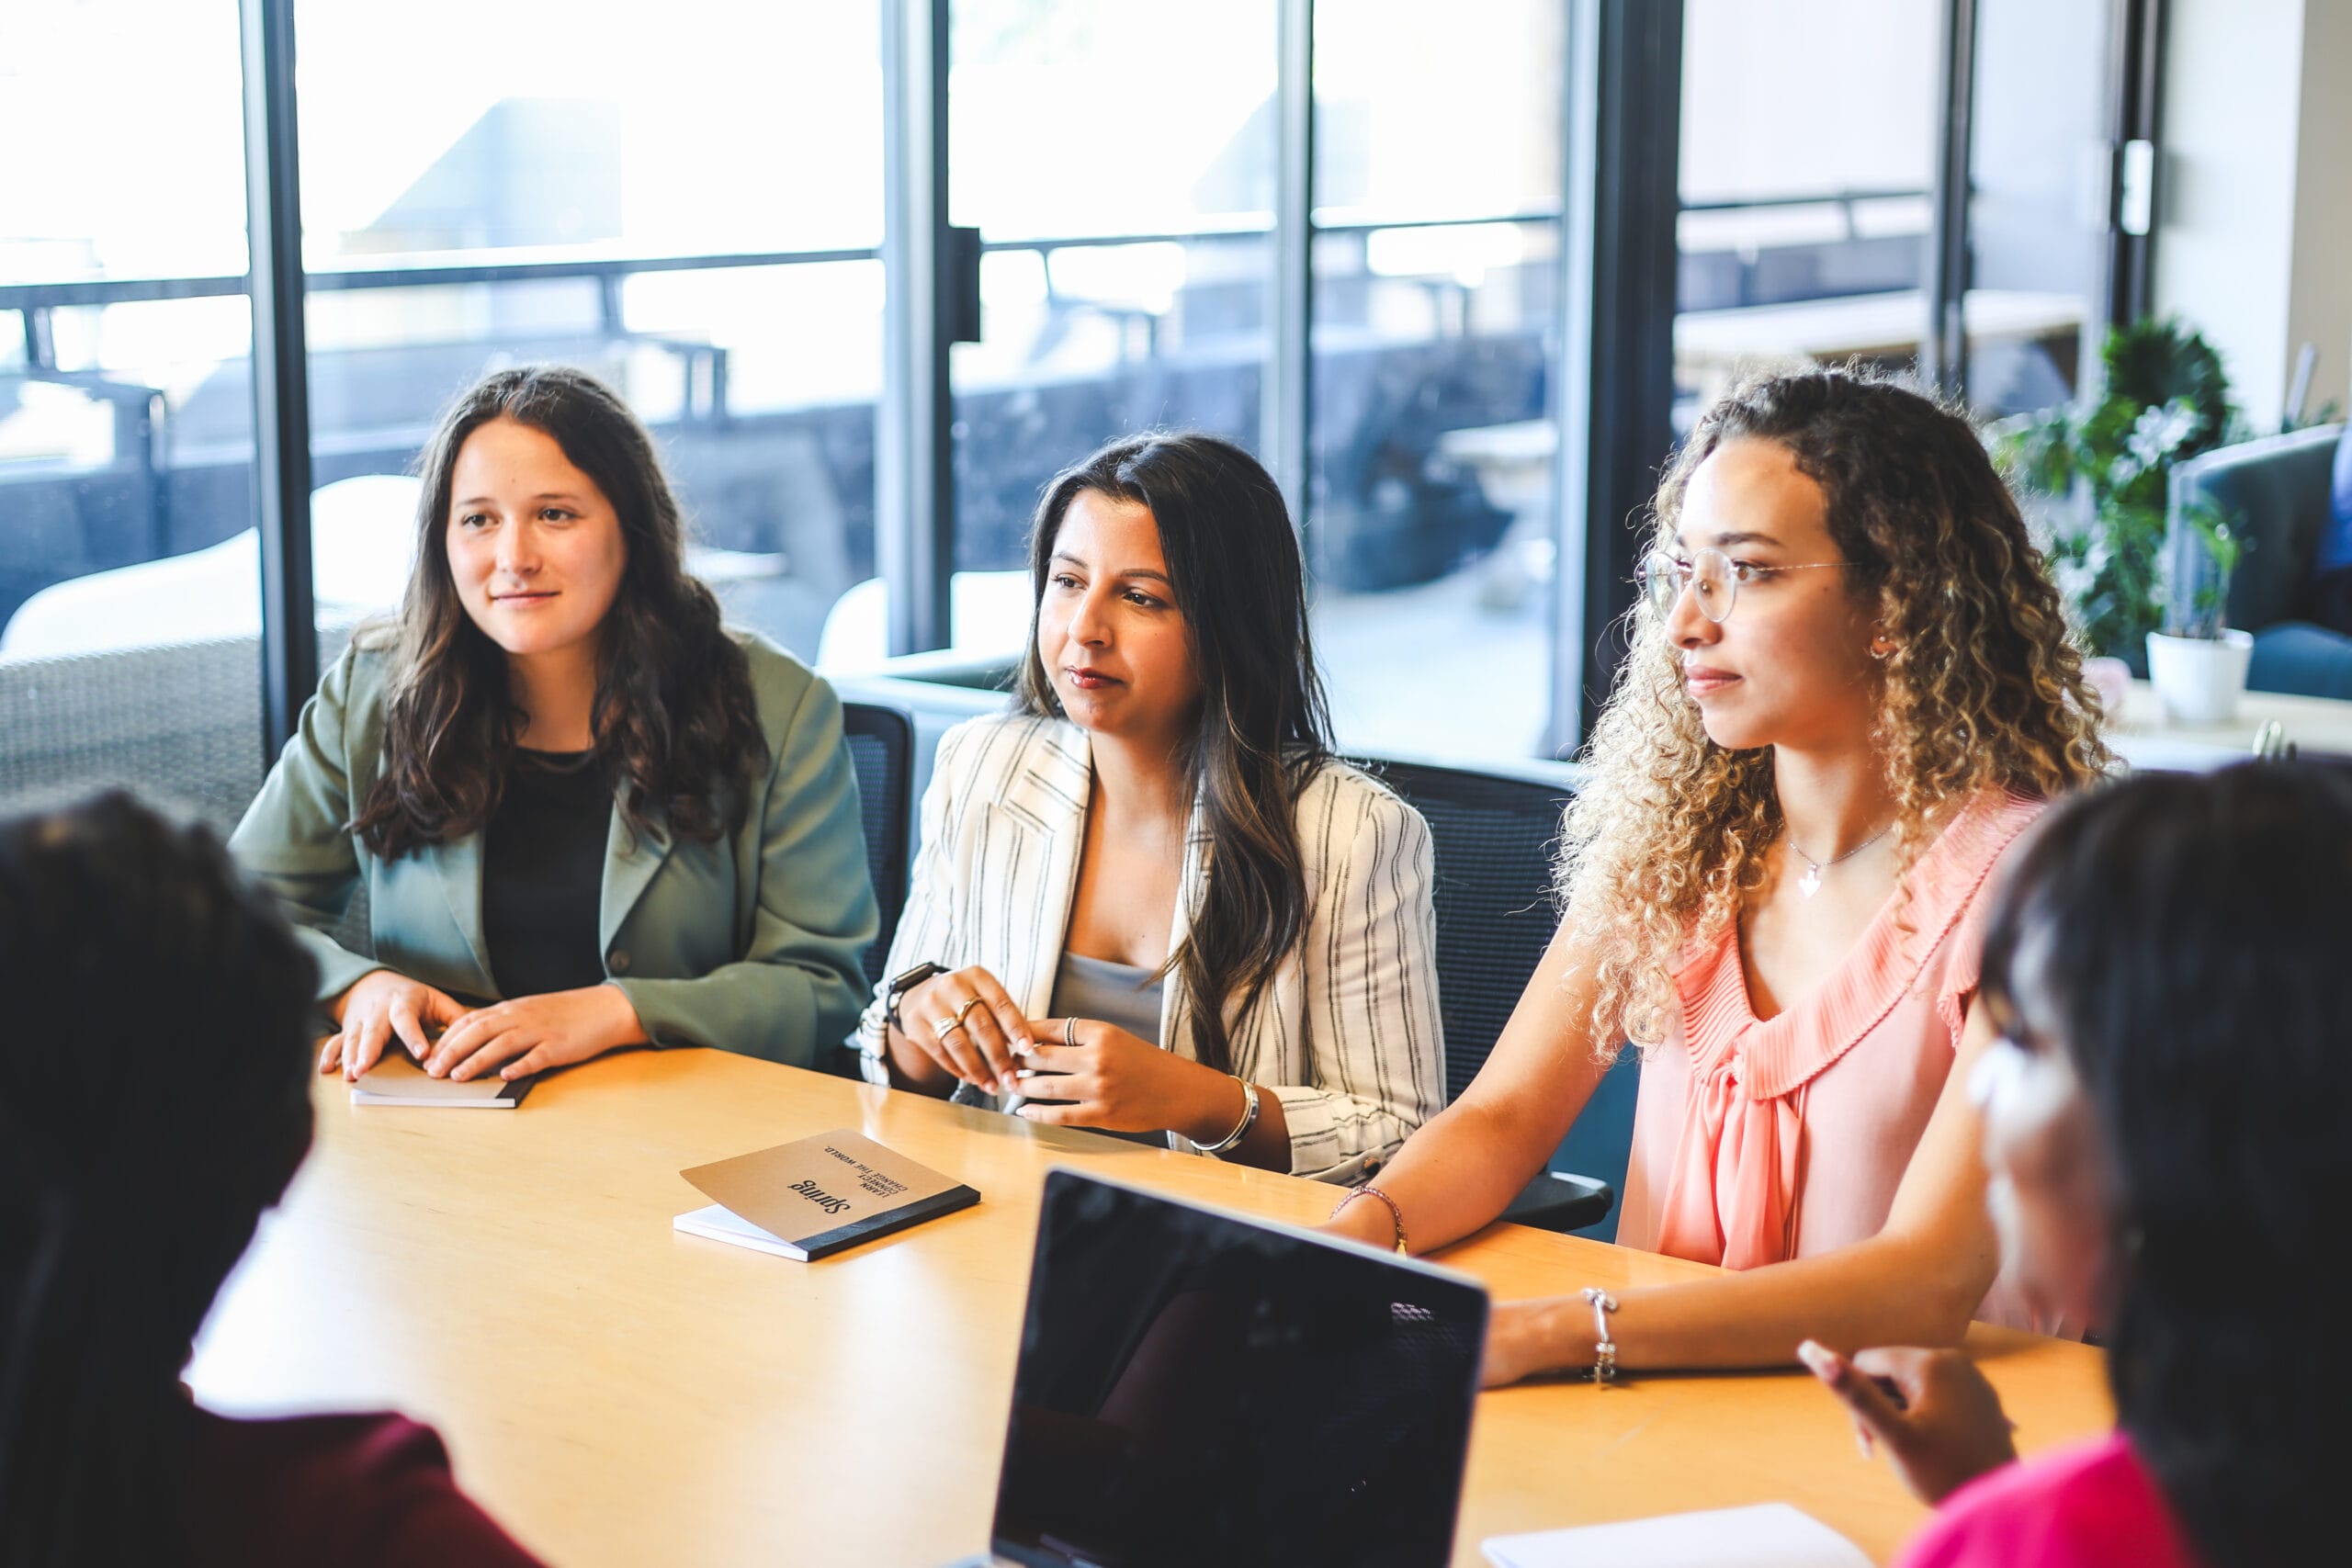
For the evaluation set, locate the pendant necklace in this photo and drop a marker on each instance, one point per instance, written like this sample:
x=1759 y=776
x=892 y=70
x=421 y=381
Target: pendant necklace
x=1810 y=883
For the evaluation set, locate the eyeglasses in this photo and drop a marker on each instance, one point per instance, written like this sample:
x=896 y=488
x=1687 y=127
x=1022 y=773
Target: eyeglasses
x=1713 y=576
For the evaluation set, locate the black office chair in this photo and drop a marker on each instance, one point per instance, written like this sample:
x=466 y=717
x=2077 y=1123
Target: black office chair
x=1493 y=837
x=882 y=749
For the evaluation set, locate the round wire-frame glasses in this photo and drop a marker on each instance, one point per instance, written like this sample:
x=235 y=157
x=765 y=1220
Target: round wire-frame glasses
x=1711 y=575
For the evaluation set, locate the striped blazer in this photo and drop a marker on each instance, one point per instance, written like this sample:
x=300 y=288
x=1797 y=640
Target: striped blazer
x=1346 y=1034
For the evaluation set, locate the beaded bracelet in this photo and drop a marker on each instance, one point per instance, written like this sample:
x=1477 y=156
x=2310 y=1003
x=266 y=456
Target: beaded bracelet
x=1367 y=1189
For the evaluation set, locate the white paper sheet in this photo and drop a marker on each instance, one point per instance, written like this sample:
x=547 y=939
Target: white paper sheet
x=1770 y=1535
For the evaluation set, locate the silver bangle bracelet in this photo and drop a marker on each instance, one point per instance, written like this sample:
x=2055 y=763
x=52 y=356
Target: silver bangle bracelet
x=1604 y=1354
x=1249 y=1118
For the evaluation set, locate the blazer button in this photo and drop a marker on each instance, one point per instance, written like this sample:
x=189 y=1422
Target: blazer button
x=619 y=961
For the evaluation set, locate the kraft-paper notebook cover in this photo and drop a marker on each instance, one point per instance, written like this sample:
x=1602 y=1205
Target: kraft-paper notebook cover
x=397 y=1081
x=818 y=1195
x=1770 y=1535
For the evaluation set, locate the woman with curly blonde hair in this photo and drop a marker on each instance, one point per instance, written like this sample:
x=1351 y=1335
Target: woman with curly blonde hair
x=1851 y=689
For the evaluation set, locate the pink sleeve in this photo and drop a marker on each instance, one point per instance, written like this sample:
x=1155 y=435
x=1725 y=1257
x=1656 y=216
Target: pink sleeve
x=1956 y=990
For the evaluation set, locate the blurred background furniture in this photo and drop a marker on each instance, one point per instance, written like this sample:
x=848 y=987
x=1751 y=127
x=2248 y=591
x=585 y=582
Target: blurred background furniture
x=2277 y=493
x=1494 y=836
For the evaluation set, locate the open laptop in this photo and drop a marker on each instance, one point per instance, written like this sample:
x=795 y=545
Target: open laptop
x=1195 y=1388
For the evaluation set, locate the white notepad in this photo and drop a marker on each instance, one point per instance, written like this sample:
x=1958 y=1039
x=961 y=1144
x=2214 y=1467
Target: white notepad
x=1770 y=1535
x=721 y=1223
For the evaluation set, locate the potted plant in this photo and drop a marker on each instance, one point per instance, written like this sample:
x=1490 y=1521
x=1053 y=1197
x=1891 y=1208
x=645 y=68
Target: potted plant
x=2106 y=465
x=2196 y=663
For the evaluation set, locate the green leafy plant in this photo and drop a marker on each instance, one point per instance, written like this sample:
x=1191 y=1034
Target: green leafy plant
x=2198 y=606
x=2164 y=398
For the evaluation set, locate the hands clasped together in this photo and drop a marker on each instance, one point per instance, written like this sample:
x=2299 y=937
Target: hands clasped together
x=517 y=1038
x=1072 y=1072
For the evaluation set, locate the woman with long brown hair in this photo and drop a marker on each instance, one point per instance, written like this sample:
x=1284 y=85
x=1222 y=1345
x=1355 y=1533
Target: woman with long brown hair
x=1149 y=900
x=586 y=815
x=1850 y=688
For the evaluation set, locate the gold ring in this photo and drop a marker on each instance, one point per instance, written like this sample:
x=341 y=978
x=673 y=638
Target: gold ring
x=945 y=1027
x=969 y=1003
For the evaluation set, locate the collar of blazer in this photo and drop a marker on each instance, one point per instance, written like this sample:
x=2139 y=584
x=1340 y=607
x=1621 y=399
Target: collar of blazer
x=1050 y=782
x=631 y=861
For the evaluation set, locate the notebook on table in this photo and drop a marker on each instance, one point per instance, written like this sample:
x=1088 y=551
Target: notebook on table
x=395 y=1079
x=1198 y=1388
x=815 y=1196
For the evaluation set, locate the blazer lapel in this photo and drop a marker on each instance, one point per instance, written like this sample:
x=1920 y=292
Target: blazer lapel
x=457 y=865
x=1175 y=1035
x=632 y=856
x=1043 y=807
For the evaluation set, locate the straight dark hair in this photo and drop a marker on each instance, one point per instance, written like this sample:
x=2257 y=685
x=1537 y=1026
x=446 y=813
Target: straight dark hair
x=1265 y=728
x=154 y=1099
x=673 y=715
x=2182 y=939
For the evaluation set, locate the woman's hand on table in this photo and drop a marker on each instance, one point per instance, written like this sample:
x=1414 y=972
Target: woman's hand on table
x=1119 y=1083
x=529 y=1034
x=965 y=1022
x=381 y=1006
x=1932 y=1411
x=1526 y=1338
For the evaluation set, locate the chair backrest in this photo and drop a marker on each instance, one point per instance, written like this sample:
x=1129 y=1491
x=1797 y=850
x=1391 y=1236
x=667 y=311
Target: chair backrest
x=2276 y=492
x=1493 y=837
x=881 y=748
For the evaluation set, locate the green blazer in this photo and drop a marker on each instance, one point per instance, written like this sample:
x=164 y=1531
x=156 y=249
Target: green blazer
x=752 y=943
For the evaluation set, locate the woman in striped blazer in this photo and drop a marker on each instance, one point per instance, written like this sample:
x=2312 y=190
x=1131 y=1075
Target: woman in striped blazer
x=1148 y=900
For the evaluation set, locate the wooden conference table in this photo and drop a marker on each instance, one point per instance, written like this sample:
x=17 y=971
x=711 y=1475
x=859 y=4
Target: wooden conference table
x=618 y=1393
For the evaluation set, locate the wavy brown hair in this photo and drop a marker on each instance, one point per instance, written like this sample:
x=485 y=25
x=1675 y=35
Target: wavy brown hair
x=673 y=711
x=1983 y=690
x=1263 y=730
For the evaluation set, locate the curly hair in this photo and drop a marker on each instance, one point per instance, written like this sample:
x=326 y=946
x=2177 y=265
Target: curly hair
x=1983 y=691
x=673 y=711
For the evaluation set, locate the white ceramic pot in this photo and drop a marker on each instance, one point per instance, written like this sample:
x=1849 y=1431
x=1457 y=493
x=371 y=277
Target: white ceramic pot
x=2198 y=678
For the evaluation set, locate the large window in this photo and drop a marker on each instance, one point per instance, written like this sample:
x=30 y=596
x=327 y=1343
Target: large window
x=1125 y=211
x=690 y=200
x=684 y=200
x=126 y=439
x=1808 y=173
x=1433 y=519
x=1808 y=213
x=2038 y=201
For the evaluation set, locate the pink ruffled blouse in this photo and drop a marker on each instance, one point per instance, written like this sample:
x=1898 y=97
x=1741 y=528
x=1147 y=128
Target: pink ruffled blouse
x=1759 y=1140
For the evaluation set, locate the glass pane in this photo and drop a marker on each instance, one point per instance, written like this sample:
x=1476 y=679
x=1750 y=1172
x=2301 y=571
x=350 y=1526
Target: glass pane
x=125 y=414
x=630 y=161
x=1125 y=287
x=2037 y=209
x=1425 y=112
x=1805 y=210
x=1434 y=520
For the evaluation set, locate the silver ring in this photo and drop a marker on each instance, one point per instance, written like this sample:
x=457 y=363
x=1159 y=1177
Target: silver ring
x=1069 y=1031
x=945 y=1027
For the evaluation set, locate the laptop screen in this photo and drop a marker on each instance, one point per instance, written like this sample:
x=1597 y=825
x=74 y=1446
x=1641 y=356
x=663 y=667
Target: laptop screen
x=1196 y=1388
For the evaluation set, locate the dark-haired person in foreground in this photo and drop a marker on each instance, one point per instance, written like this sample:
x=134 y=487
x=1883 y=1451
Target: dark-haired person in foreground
x=584 y=814
x=1149 y=900
x=2163 y=1120
x=155 y=1101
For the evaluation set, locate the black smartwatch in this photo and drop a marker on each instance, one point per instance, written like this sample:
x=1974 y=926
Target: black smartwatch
x=901 y=984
